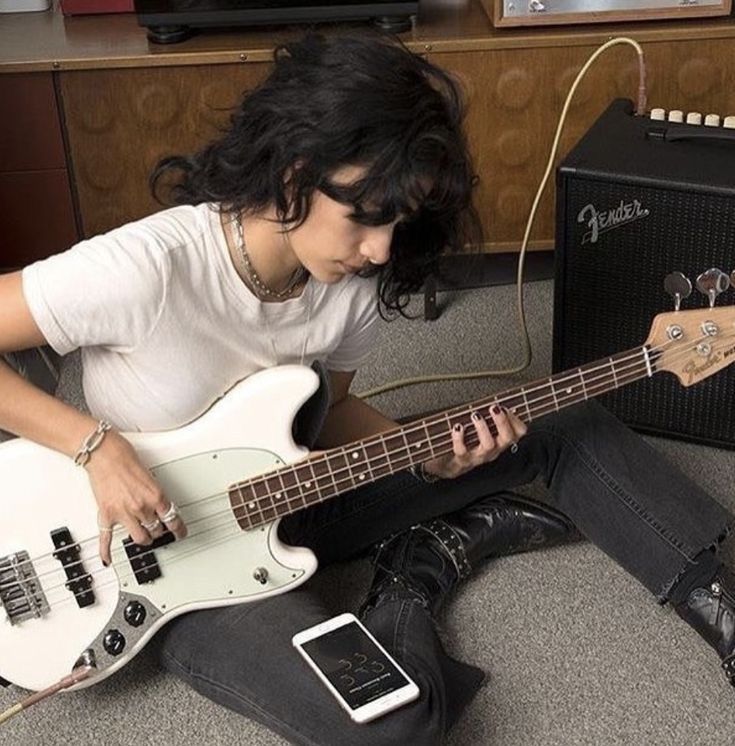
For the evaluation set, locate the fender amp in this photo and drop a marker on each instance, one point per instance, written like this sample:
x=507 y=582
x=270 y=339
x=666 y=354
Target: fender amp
x=638 y=199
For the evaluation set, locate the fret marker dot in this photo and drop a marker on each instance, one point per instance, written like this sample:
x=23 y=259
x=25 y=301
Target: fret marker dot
x=361 y=477
x=278 y=495
x=569 y=390
x=355 y=454
x=418 y=445
x=307 y=484
x=251 y=505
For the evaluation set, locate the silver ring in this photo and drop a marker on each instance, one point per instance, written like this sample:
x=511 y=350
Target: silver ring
x=105 y=529
x=514 y=447
x=170 y=514
x=151 y=526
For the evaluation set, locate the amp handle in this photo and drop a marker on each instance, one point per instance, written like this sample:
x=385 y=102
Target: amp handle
x=672 y=134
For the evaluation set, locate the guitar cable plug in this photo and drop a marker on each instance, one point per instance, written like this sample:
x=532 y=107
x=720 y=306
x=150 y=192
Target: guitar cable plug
x=77 y=675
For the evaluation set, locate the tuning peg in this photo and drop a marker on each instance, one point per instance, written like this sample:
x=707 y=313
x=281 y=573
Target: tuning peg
x=712 y=283
x=678 y=287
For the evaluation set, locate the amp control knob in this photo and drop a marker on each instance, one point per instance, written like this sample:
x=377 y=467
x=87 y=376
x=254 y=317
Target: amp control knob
x=135 y=613
x=113 y=641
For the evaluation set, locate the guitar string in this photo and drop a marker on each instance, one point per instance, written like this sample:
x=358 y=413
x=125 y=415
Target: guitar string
x=230 y=533
x=124 y=578
x=237 y=531
x=228 y=511
x=457 y=411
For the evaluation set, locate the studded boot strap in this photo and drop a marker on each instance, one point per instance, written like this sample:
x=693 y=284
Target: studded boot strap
x=451 y=541
x=728 y=666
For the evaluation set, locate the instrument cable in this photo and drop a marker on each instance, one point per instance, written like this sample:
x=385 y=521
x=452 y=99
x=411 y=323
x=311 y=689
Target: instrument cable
x=527 y=351
x=77 y=675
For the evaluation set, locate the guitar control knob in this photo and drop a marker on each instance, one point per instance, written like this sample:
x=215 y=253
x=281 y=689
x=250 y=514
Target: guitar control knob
x=261 y=575
x=113 y=641
x=135 y=613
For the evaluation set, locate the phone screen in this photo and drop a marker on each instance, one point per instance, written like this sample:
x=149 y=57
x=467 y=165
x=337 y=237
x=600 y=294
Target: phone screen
x=354 y=665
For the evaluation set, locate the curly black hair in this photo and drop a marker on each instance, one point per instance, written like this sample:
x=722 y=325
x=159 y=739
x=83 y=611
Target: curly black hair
x=347 y=100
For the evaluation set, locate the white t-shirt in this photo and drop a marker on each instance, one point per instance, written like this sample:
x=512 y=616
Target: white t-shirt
x=167 y=326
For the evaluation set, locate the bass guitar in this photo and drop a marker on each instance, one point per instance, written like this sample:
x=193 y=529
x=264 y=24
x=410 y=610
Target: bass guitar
x=233 y=473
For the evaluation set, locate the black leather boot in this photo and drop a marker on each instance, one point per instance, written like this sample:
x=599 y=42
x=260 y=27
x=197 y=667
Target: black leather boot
x=428 y=561
x=710 y=610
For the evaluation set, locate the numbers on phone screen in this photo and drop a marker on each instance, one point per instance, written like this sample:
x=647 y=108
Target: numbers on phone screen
x=359 y=667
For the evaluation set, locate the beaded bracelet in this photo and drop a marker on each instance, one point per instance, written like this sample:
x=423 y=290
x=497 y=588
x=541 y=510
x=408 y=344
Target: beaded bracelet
x=91 y=442
x=419 y=471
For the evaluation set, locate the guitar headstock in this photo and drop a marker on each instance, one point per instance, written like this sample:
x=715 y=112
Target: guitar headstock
x=695 y=344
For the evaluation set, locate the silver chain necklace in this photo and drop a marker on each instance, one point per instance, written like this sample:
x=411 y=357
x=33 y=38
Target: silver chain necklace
x=261 y=289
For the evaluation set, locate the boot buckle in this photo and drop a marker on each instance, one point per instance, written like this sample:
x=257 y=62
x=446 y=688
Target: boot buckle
x=728 y=666
x=452 y=544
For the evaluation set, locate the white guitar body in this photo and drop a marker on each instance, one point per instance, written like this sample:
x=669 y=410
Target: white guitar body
x=43 y=628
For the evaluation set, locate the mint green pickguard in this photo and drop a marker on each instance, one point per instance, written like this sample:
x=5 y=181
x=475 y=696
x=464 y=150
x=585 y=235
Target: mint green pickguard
x=217 y=560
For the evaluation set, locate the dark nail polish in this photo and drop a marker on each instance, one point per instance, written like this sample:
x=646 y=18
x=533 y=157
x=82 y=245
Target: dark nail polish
x=476 y=416
x=496 y=409
x=106 y=564
x=457 y=428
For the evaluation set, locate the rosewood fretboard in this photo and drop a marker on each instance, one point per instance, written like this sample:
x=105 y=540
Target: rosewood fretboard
x=278 y=493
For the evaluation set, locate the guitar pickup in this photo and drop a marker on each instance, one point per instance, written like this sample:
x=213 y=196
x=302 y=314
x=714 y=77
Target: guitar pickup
x=78 y=580
x=143 y=558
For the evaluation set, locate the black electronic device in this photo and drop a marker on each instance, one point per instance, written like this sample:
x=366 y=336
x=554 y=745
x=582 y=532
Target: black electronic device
x=173 y=20
x=637 y=199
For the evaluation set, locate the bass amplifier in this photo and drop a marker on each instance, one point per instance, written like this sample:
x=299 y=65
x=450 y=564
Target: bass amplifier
x=637 y=199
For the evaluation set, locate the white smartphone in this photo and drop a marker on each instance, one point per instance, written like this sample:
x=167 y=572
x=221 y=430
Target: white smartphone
x=355 y=667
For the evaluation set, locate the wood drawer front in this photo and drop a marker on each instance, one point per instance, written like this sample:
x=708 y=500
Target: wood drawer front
x=37 y=218
x=121 y=122
x=30 y=132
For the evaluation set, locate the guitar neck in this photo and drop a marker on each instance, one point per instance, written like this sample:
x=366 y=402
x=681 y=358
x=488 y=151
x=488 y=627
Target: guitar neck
x=279 y=493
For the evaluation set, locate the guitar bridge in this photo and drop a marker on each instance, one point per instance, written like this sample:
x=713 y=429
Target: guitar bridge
x=20 y=592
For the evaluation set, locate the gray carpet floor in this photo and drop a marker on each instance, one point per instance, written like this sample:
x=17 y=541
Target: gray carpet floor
x=577 y=651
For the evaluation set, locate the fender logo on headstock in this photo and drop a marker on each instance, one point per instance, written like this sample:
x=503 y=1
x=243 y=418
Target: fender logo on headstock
x=694 y=371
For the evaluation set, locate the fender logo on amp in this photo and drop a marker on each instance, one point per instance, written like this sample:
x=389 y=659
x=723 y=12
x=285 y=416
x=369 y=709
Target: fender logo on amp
x=601 y=222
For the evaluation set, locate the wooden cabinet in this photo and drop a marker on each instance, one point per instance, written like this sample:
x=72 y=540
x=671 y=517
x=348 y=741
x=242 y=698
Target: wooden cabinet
x=126 y=103
x=36 y=211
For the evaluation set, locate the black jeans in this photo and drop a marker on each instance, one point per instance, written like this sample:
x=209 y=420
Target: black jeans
x=620 y=492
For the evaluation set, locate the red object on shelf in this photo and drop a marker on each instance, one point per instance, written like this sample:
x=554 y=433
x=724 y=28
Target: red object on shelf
x=81 y=7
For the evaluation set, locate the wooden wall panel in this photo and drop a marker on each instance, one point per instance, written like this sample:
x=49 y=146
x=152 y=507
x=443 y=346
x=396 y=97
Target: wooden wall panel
x=121 y=122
